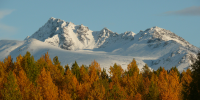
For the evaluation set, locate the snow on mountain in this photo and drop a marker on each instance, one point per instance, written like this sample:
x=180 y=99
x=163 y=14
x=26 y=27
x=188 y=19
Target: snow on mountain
x=38 y=48
x=7 y=46
x=155 y=46
x=76 y=37
x=65 y=35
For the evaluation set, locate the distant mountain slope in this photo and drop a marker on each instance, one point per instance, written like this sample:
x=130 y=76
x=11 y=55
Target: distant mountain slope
x=155 y=46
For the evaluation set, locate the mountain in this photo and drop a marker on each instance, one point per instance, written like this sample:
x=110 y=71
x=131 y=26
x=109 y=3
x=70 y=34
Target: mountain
x=69 y=36
x=155 y=46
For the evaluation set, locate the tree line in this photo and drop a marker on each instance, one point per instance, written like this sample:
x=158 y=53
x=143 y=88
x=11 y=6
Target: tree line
x=44 y=79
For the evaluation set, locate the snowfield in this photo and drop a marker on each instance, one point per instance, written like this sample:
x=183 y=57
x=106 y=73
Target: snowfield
x=155 y=46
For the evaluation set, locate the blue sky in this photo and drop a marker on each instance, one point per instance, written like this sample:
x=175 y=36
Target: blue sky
x=21 y=18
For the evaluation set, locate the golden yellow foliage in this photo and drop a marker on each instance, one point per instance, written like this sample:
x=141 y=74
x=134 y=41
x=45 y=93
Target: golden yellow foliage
x=48 y=89
x=94 y=71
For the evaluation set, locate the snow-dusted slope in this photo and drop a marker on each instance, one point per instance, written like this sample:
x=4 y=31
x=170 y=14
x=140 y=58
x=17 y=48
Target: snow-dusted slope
x=7 y=46
x=154 y=46
x=38 y=48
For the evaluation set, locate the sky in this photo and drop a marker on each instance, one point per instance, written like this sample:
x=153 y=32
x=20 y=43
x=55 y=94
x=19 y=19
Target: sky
x=21 y=18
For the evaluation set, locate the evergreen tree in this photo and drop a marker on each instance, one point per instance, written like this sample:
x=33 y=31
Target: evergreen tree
x=66 y=68
x=153 y=92
x=175 y=70
x=195 y=84
x=57 y=64
x=56 y=61
x=159 y=70
x=29 y=66
x=97 y=91
x=146 y=71
x=104 y=75
x=76 y=70
x=11 y=89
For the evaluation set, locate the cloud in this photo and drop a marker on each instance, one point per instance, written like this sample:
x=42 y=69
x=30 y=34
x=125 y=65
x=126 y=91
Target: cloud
x=6 y=28
x=4 y=13
x=3 y=27
x=191 y=11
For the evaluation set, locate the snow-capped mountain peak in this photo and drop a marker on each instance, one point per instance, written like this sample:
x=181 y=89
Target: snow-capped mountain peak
x=106 y=32
x=155 y=46
x=159 y=34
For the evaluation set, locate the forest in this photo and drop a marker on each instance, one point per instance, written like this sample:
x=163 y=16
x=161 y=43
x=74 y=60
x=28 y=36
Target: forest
x=46 y=79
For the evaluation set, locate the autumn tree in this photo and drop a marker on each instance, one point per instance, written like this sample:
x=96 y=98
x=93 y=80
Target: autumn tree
x=47 y=88
x=84 y=75
x=116 y=90
x=55 y=69
x=46 y=79
x=63 y=95
x=2 y=75
x=24 y=84
x=132 y=80
x=94 y=71
x=186 y=79
x=132 y=68
x=169 y=85
x=8 y=64
x=84 y=86
x=163 y=85
x=18 y=64
x=70 y=84
x=97 y=91
x=175 y=86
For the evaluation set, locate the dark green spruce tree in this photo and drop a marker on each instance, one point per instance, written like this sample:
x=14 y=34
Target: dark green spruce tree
x=29 y=66
x=76 y=70
x=195 y=84
x=58 y=64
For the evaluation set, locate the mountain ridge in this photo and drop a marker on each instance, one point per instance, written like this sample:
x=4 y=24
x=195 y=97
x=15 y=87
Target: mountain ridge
x=155 y=46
